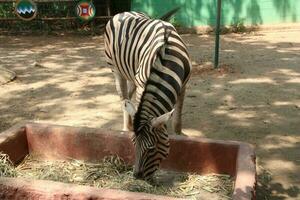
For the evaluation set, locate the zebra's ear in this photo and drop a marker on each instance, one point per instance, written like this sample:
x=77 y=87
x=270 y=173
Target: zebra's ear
x=129 y=107
x=161 y=120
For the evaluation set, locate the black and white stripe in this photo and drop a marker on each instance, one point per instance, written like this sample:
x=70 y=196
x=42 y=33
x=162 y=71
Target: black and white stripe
x=150 y=54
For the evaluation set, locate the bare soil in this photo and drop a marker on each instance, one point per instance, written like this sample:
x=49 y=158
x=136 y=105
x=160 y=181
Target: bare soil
x=254 y=96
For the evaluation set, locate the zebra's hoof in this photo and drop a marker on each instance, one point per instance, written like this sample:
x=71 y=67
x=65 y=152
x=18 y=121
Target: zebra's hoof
x=125 y=129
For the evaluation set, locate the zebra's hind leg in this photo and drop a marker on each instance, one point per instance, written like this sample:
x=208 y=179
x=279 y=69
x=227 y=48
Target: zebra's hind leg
x=176 y=122
x=121 y=85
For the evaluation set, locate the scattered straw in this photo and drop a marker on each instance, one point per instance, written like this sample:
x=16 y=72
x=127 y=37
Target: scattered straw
x=113 y=173
x=6 y=167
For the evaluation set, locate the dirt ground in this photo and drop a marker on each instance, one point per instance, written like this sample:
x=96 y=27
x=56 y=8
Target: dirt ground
x=254 y=97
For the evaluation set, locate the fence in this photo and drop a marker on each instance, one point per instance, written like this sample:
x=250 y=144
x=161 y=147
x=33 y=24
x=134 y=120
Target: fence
x=58 y=15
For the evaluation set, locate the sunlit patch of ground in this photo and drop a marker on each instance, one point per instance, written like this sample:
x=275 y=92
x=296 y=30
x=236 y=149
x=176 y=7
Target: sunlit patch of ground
x=254 y=96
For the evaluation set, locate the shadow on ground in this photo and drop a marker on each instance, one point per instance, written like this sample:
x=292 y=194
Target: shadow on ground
x=255 y=100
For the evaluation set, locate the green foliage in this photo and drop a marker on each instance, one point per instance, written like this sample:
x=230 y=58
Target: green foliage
x=45 y=10
x=7 y=10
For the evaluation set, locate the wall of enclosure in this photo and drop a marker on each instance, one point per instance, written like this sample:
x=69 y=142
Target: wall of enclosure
x=234 y=12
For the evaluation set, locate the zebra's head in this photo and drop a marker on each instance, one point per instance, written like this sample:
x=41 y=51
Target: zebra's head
x=151 y=143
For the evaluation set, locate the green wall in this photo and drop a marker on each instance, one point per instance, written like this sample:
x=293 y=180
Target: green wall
x=203 y=12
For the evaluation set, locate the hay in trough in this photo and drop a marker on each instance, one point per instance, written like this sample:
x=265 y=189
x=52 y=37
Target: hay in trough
x=6 y=166
x=113 y=173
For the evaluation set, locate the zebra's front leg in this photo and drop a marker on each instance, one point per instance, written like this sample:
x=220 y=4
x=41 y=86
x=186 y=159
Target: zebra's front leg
x=121 y=85
x=131 y=89
x=177 y=121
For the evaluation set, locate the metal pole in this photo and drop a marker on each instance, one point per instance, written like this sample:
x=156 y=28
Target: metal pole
x=217 y=41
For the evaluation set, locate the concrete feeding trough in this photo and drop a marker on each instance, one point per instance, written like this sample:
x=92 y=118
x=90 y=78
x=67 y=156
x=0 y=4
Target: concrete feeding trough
x=187 y=154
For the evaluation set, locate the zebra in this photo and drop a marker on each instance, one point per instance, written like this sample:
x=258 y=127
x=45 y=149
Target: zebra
x=149 y=58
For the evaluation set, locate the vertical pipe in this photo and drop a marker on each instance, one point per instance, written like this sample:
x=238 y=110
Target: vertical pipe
x=217 y=41
x=108 y=9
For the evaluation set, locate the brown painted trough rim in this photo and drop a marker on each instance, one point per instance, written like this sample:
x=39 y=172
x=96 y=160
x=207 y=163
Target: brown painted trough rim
x=245 y=175
x=44 y=189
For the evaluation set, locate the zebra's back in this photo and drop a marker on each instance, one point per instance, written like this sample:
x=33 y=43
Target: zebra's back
x=148 y=51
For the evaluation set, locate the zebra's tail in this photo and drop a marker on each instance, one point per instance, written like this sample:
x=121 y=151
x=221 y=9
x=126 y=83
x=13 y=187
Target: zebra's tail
x=168 y=15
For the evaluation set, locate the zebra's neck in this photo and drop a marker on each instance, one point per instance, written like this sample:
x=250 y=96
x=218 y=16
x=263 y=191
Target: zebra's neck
x=145 y=113
x=157 y=99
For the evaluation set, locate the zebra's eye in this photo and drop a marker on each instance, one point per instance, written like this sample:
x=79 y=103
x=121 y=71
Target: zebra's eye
x=153 y=129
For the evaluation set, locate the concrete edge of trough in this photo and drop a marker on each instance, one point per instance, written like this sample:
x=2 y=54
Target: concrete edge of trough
x=245 y=184
x=42 y=189
x=15 y=138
